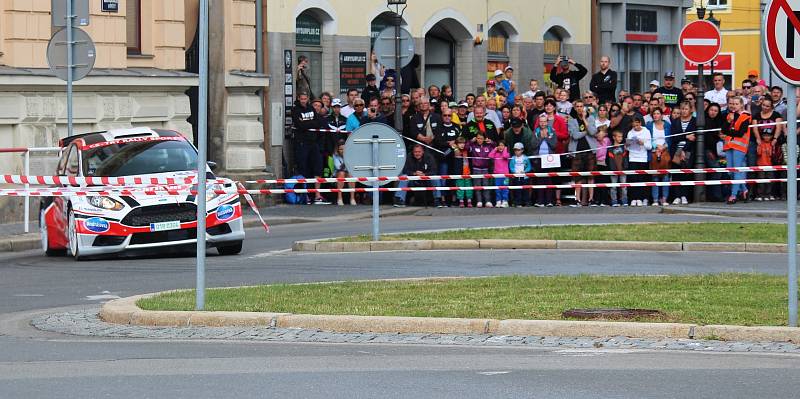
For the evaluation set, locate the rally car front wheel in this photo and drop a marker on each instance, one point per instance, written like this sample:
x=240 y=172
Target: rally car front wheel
x=72 y=234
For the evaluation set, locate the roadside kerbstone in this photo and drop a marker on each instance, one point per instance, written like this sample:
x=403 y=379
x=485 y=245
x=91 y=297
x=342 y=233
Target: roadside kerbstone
x=714 y=246
x=766 y=248
x=383 y=324
x=563 y=328
x=517 y=244
x=619 y=245
x=24 y=243
x=455 y=244
x=329 y=246
x=231 y=319
x=356 y=246
x=743 y=333
x=413 y=245
x=299 y=246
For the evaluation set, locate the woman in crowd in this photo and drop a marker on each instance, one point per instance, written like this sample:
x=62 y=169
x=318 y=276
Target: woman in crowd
x=736 y=134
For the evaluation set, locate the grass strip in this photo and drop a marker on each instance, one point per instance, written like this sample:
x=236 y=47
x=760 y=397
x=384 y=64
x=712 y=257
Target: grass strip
x=741 y=299
x=660 y=232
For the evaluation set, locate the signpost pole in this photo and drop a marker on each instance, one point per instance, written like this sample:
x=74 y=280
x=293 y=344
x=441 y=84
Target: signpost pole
x=202 y=127
x=70 y=64
x=700 y=157
x=398 y=100
x=791 y=193
x=376 y=196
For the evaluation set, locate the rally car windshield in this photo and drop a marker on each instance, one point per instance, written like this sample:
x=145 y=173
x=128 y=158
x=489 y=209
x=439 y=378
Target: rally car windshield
x=139 y=158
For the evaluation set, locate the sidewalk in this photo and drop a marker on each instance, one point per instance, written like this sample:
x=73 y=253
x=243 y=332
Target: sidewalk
x=767 y=209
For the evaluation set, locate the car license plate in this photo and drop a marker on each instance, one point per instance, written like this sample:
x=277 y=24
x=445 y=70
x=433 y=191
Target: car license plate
x=164 y=226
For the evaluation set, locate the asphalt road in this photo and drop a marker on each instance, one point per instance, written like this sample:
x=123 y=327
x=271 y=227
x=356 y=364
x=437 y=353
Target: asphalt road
x=36 y=364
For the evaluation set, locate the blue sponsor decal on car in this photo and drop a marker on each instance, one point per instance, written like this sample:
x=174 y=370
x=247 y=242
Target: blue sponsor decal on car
x=97 y=225
x=225 y=212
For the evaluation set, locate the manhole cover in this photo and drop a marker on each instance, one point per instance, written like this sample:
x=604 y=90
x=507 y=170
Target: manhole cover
x=613 y=313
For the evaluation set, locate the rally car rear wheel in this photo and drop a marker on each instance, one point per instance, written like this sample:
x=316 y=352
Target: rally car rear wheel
x=231 y=249
x=46 y=236
x=72 y=234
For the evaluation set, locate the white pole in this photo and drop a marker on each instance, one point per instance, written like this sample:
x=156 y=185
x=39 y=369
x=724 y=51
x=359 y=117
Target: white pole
x=69 y=65
x=27 y=187
x=202 y=127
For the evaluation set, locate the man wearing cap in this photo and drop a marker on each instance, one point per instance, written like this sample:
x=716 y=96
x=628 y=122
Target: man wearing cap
x=519 y=133
x=371 y=91
x=686 y=86
x=753 y=76
x=308 y=158
x=509 y=85
x=463 y=114
x=654 y=85
x=567 y=79
x=336 y=121
x=604 y=82
x=672 y=95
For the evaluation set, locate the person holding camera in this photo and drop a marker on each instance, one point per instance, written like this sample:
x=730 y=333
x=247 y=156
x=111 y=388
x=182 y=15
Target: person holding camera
x=303 y=81
x=566 y=78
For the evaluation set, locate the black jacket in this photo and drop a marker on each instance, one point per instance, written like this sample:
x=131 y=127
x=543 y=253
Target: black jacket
x=441 y=136
x=330 y=139
x=425 y=165
x=677 y=141
x=303 y=119
x=569 y=81
x=604 y=85
x=418 y=124
x=369 y=93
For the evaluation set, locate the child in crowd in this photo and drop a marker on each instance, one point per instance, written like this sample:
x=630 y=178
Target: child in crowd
x=479 y=153
x=462 y=159
x=639 y=144
x=543 y=143
x=659 y=157
x=336 y=164
x=603 y=142
x=617 y=160
x=765 y=150
x=519 y=163
x=500 y=156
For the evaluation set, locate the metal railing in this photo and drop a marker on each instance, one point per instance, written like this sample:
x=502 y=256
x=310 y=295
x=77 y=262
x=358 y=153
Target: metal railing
x=27 y=170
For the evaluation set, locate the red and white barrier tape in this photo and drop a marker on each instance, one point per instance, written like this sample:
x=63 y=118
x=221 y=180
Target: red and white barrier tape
x=253 y=206
x=169 y=192
x=155 y=183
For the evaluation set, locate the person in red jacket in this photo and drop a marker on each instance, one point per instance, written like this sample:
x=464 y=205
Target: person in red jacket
x=559 y=125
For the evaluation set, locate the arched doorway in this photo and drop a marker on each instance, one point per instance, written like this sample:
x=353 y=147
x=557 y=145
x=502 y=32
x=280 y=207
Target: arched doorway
x=442 y=44
x=308 y=43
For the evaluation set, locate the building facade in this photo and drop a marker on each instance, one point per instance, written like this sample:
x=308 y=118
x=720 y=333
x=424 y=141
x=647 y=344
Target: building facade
x=145 y=74
x=740 y=24
x=456 y=42
x=647 y=47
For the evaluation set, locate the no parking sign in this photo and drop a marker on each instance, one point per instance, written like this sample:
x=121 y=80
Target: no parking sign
x=781 y=41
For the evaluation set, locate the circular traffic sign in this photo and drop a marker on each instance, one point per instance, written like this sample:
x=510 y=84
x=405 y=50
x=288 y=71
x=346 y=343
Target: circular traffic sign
x=391 y=152
x=83 y=54
x=385 y=47
x=781 y=41
x=700 y=42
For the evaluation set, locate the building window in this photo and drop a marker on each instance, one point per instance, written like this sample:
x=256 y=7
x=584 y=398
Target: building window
x=133 y=19
x=717 y=4
x=439 y=57
x=641 y=21
x=498 y=43
x=552 y=49
x=308 y=31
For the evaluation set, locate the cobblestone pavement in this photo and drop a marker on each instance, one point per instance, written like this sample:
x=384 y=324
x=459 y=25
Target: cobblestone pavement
x=87 y=323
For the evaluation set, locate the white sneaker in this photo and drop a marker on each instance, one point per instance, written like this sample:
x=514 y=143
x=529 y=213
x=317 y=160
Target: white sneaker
x=489 y=205
x=505 y=204
x=655 y=203
x=644 y=203
x=339 y=202
x=684 y=201
x=677 y=201
x=479 y=205
x=498 y=204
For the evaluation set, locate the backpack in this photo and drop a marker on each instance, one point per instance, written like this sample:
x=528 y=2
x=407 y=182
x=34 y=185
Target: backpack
x=292 y=198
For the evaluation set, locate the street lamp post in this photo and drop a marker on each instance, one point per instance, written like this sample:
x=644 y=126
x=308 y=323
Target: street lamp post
x=399 y=8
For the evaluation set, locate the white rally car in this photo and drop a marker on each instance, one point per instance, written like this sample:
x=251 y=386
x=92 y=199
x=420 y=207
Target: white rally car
x=97 y=225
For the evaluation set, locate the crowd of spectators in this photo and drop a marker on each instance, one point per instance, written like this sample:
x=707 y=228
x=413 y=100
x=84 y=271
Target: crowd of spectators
x=507 y=129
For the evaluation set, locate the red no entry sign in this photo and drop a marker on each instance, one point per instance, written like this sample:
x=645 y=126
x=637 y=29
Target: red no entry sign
x=781 y=41
x=700 y=42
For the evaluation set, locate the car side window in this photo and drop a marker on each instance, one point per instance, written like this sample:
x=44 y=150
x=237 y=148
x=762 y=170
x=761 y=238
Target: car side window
x=73 y=165
x=62 y=162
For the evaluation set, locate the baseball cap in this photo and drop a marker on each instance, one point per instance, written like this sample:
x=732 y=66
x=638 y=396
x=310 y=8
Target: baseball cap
x=519 y=146
x=516 y=122
x=498 y=73
x=490 y=82
x=463 y=104
x=654 y=83
x=752 y=72
x=669 y=75
x=686 y=81
x=434 y=101
x=336 y=102
x=509 y=67
x=370 y=77
x=452 y=104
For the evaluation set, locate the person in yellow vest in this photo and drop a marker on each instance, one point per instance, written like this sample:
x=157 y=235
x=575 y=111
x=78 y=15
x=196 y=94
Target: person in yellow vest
x=736 y=135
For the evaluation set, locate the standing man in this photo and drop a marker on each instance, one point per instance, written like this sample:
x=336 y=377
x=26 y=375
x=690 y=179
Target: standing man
x=425 y=123
x=672 y=95
x=348 y=109
x=777 y=98
x=567 y=79
x=308 y=158
x=509 y=85
x=371 y=91
x=686 y=86
x=303 y=81
x=719 y=94
x=604 y=82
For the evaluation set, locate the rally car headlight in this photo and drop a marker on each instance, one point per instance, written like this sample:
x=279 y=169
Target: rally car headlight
x=105 y=203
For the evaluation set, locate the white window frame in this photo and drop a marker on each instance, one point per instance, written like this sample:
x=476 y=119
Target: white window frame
x=714 y=4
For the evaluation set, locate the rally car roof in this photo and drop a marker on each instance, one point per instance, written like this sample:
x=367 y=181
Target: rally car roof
x=115 y=134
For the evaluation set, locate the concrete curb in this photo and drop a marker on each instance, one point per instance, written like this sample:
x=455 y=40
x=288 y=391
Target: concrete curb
x=488 y=244
x=125 y=311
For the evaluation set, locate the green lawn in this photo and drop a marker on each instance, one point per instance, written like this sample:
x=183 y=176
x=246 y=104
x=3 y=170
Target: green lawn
x=665 y=232
x=742 y=299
